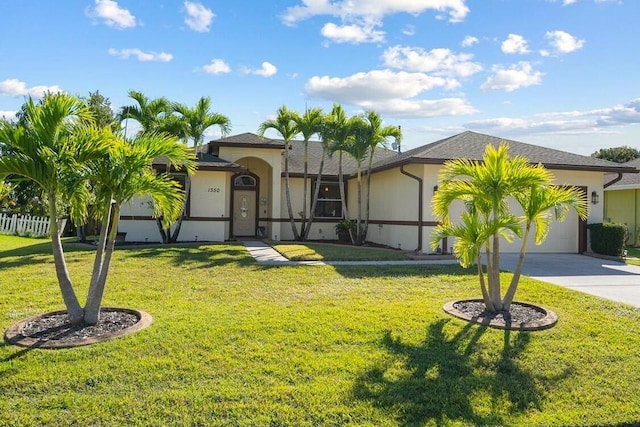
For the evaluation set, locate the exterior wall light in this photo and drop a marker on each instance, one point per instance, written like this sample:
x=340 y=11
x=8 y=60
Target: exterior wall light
x=595 y=198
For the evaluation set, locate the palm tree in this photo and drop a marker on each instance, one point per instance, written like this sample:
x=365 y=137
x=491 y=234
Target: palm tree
x=285 y=125
x=486 y=188
x=376 y=135
x=124 y=173
x=340 y=127
x=191 y=124
x=53 y=147
x=326 y=139
x=308 y=124
x=357 y=145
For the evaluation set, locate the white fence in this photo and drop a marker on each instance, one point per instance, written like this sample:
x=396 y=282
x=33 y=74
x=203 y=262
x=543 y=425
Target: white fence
x=24 y=225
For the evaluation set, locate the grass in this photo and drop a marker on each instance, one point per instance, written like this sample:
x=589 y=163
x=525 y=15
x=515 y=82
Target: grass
x=335 y=252
x=236 y=343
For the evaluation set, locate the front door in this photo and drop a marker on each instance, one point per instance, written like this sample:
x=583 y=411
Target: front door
x=244 y=213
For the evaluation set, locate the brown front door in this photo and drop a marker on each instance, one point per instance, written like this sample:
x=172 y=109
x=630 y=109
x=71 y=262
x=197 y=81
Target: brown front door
x=244 y=213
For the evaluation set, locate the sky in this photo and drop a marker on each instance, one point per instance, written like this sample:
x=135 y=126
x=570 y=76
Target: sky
x=563 y=74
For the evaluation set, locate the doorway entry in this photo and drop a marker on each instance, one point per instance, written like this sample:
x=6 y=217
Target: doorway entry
x=245 y=204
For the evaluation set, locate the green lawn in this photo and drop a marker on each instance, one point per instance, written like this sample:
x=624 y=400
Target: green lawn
x=336 y=252
x=235 y=343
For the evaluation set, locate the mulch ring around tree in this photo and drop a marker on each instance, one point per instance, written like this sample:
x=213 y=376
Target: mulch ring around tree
x=53 y=330
x=520 y=317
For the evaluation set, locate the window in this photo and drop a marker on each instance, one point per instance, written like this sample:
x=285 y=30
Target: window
x=244 y=181
x=329 y=204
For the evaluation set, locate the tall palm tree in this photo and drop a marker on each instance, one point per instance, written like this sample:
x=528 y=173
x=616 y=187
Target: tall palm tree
x=125 y=172
x=341 y=128
x=308 y=124
x=486 y=188
x=357 y=145
x=285 y=125
x=191 y=124
x=326 y=139
x=376 y=135
x=53 y=147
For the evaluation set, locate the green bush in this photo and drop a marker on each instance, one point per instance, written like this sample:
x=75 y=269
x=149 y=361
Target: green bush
x=607 y=239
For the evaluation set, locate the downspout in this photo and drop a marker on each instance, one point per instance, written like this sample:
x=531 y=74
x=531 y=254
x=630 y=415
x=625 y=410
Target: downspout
x=613 y=181
x=420 y=204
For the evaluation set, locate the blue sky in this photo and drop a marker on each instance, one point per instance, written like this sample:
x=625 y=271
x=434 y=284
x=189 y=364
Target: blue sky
x=559 y=73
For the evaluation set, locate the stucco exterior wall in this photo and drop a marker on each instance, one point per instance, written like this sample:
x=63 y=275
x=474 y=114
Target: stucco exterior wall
x=623 y=207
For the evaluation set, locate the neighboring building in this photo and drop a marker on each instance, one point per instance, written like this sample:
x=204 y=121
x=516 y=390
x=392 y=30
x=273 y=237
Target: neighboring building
x=622 y=201
x=239 y=191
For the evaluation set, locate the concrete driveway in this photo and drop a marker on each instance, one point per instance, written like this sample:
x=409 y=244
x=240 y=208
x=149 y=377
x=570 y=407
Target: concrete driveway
x=608 y=279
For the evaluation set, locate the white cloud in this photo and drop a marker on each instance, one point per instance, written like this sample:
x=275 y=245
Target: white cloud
x=469 y=41
x=354 y=33
x=563 y=42
x=141 y=55
x=198 y=16
x=595 y=121
x=437 y=61
x=267 y=70
x=515 y=43
x=389 y=92
x=16 y=88
x=455 y=10
x=113 y=15
x=512 y=78
x=568 y=2
x=216 y=66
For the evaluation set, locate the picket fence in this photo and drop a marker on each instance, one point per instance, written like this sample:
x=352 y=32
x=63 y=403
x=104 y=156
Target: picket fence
x=24 y=225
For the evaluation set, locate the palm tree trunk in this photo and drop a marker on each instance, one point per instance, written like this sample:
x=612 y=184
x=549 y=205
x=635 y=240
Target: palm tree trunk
x=359 y=239
x=315 y=197
x=176 y=232
x=97 y=262
x=74 y=310
x=287 y=185
x=495 y=283
x=303 y=227
x=343 y=197
x=485 y=295
x=94 y=300
x=513 y=286
x=368 y=197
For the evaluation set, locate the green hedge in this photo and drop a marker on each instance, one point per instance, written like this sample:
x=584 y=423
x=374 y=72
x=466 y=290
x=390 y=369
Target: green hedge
x=607 y=239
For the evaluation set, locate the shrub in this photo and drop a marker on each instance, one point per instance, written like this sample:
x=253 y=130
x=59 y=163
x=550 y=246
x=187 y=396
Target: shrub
x=607 y=239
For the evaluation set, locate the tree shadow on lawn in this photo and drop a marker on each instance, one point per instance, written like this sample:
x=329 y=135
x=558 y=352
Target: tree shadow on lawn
x=438 y=380
x=199 y=255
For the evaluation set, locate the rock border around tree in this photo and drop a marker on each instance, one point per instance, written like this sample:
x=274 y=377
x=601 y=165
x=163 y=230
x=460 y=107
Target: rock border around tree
x=537 y=319
x=46 y=336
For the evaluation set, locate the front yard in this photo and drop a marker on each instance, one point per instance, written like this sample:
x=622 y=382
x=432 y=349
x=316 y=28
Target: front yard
x=236 y=343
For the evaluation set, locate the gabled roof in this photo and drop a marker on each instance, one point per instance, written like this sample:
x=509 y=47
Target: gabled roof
x=471 y=145
x=629 y=180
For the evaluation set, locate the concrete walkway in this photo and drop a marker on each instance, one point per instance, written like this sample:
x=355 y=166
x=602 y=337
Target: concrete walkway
x=613 y=280
x=265 y=254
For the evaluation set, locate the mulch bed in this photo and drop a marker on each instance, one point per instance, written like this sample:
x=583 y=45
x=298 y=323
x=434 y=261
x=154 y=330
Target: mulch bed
x=521 y=316
x=53 y=330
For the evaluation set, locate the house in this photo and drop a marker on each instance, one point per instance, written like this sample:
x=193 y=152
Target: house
x=622 y=201
x=239 y=191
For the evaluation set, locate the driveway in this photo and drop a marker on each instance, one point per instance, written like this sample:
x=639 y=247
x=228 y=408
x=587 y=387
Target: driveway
x=608 y=279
